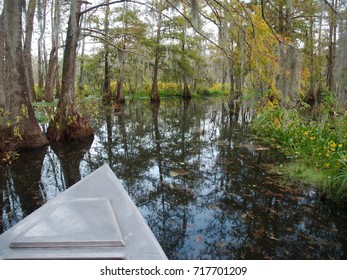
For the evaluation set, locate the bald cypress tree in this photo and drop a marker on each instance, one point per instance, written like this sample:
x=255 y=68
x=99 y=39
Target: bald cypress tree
x=19 y=128
x=68 y=124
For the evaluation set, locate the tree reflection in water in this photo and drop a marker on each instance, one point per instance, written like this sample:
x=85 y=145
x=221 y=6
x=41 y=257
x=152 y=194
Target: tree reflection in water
x=197 y=175
x=21 y=187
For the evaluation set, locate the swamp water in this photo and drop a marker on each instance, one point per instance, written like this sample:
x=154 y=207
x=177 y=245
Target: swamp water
x=199 y=178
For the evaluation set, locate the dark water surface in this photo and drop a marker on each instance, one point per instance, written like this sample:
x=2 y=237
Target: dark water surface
x=197 y=175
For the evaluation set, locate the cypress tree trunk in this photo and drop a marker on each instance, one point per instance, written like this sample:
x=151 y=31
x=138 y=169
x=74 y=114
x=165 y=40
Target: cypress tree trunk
x=341 y=67
x=19 y=128
x=53 y=57
x=154 y=93
x=68 y=124
x=51 y=74
x=331 y=56
x=41 y=18
x=106 y=97
x=120 y=82
x=2 y=55
x=288 y=81
x=27 y=48
x=186 y=91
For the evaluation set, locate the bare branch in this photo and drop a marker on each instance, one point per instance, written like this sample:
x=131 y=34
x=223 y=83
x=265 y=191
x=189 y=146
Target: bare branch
x=107 y=37
x=331 y=7
x=101 y=5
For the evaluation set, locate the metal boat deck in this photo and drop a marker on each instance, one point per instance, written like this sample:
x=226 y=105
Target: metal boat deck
x=93 y=219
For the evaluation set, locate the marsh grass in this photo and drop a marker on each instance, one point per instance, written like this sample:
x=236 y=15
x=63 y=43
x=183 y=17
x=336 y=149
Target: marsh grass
x=337 y=177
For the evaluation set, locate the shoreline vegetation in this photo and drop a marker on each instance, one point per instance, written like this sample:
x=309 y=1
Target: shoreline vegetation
x=315 y=147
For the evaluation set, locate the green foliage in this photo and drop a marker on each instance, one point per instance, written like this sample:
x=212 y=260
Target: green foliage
x=40 y=92
x=328 y=100
x=214 y=90
x=169 y=88
x=318 y=144
x=93 y=75
x=45 y=111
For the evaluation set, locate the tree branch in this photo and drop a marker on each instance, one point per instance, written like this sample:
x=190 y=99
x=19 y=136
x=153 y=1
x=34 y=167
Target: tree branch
x=331 y=7
x=199 y=32
x=110 y=43
x=272 y=30
x=101 y=5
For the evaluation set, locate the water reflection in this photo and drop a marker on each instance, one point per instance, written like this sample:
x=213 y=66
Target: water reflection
x=70 y=155
x=21 y=187
x=196 y=174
